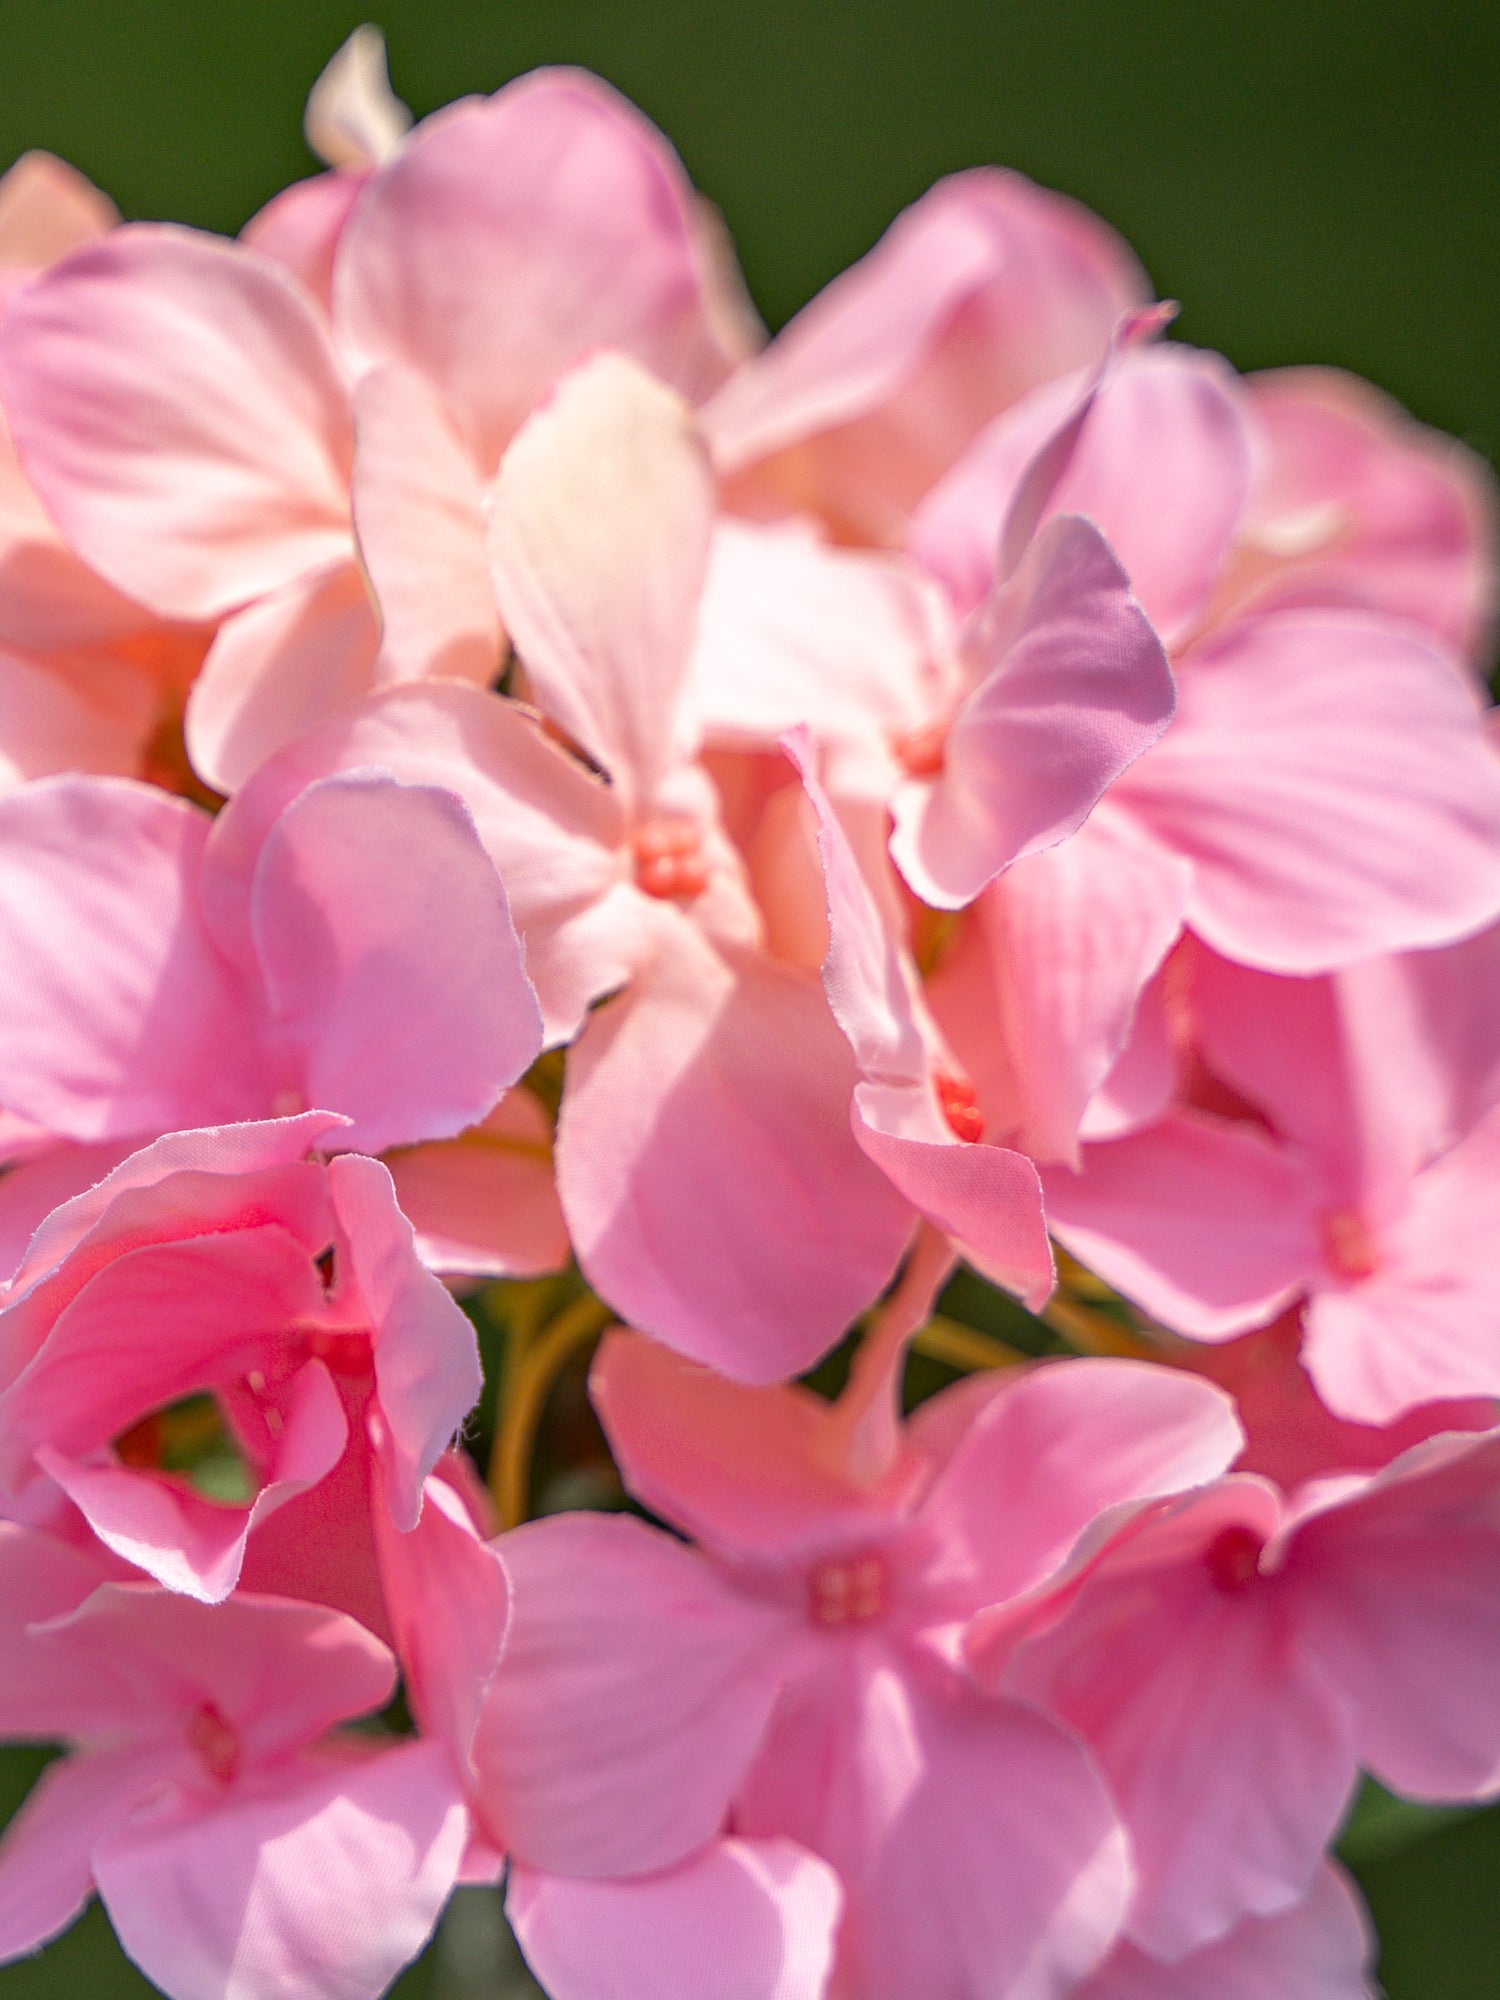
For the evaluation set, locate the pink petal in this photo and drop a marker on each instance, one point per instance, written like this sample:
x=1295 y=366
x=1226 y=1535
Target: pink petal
x=277 y=669
x=621 y=1718
x=1420 y=1326
x=1161 y=467
x=353 y=120
x=54 y=720
x=177 y=405
x=713 y=1189
x=419 y=516
x=1210 y=1227
x=427 y=1372
x=749 y=1471
x=553 y=831
x=1053 y=1449
x=375 y=907
x=985 y=288
x=484 y=1204
x=105 y=942
x=322 y=1889
x=31 y=1190
x=300 y=228
x=513 y=235
x=598 y=539
x=1229 y=1754
x=46 y=1855
x=1357 y=501
x=42 y=1578
x=1074 y=688
x=1328 y=779
x=47 y=208
x=1319 y=1949
x=1396 y=1590
x=740 y=1920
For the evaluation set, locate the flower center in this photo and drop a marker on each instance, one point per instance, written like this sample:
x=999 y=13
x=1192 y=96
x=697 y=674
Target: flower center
x=1348 y=1244
x=669 y=860
x=214 y=1742
x=342 y=1350
x=920 y=751
x=1233 y=1558
x=960 y=1106
x=848 y=1590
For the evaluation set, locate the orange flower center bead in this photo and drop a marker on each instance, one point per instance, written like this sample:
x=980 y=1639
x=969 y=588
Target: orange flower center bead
x=669 y=860
x=960 y=1106
x=847 y=1590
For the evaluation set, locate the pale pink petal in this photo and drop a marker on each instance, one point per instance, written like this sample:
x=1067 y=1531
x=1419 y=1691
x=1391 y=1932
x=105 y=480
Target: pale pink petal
x=1452 y=1036
x=1397 y=1599
x=982 y=290
x=792 y=630
x=1329 y=780
x=1358 y=501
x=376 y=912
x=352 y=117
x=427 y=1371
x=47 y=208
x=419 y=516
x=1072 y=937
x=1210 y=1227
x=1075 y=686
x=483 y=1204
x=740 y=1920
x=1229 y=1754
x=598 y=540
x=42 y=1578
x=46 y=1855
x=632 y=1693
x=92 y=717
x=713 y=1188
x=1421 y=1325
x=177 y=405
x=321 y=1889
x=119 y=1015
x=512 y=236
x=1161 y=466
x=1319 y=1949
x=553 y=831
x=754 y=1471
x=1052 y=1450
x=277 y=669
x=300 y=228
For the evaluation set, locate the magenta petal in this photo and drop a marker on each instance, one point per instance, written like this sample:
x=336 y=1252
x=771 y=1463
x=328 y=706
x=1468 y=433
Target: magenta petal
x=632 y=1693
x=103 y=938
x=320 y=1889
x=513 y=235
x=277 y=669
x=46 y=1855
x=177 y=405
x=427 y=1371
x=1209 y=1226
x=376 y=910
x=1319 y=1949
x=1329 y=779
x=418 y=513
x=713 y=1188
x=740 y=1920
x=1075 y=686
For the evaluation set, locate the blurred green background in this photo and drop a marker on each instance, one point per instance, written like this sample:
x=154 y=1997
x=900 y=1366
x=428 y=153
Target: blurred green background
x=1315 y=182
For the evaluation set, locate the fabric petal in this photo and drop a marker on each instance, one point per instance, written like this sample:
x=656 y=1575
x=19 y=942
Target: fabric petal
x=1075 y=686
x=46 y=1866
x=620 y=1719
x=484 y=1204
x=177 y=405
x=741 y=1920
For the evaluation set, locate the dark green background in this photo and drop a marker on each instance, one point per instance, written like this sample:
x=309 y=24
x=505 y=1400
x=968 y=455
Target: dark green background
x=1314 y=181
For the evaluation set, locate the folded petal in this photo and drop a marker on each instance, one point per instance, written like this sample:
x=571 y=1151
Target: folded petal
x=376 y=912
x=1210 y=1227
x=713 y=1189
x=1075 y=686
x=177 y=405
x=1328 y=777
x=741 y=1920
x=631 y=1696
x=320 y=1890
x=598 y=538
x=278 y=668
x=515 y=234
x=119 y=1015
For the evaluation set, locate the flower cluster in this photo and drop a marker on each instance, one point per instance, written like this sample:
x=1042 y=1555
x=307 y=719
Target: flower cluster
x=506 y=772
